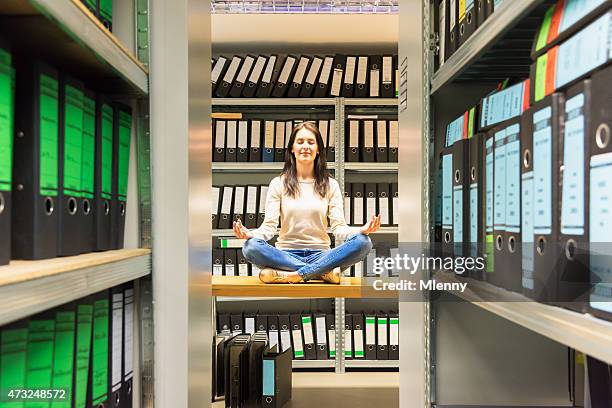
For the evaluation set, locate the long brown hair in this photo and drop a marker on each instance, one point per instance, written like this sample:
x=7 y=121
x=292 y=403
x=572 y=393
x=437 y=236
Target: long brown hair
x=321 y=173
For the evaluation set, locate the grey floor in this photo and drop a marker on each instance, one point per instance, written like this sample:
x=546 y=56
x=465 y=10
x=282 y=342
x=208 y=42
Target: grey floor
x=354 y=390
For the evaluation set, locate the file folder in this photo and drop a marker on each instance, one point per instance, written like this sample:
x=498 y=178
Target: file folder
x=506 y=104
x=83 y=348
x=128 y=345
x=13 y=355
x=387 y=89
x=512 y=236
x=271 y=72
x=242 y=152
x=219 y=130
x=499 y=205
x=349 y=77
x=393 y=336
x=439 y=27
x=331 y=141
x=323 y=129
x=339 y=66
x=477 y=200
x=322 y=88
x=258 y=69
x=220 y=347
x=121 y=152
x=382 y=337
x=39 y=354
x=87 y=230
x=281 y=85
x=218 y=72
x=330 y=324
x=255 y=151
x=481 y=12
x=236 y=371
x=277 y=380
x=279 y=142
x=321 y=336
x=447 y=203
x=215 y=205
x=352 y=153
x=396 y=79
x=105 y=13
x=223 y=89
x=241 y=78
x=491 y=274
x=383 y=203
x=231 y=153
x=261 y=209
x=284 y=328
x=243 y=264
x=7 y=114
x=268 y=148
x=374 y=75
x=296 y=337
x=238 y=206
x=599 y=194
x=347 y=204
x=288 y=129
x=394 y=197
x=450 y=28
x=370 y=336
x=573 y=267
x=310 y=349
x=230 y=262
x=64 y=351
x=467 y=20
x=100 y=374
x=273 y=331
x=358 y=190
x=461 y=214
x=35 y=163
x=370 y=196
x=259 y=343
x=361 y=79
x=116 y=347
x=250 y=218
x=236 y=320
x=348 y=336
x=382 y=155
x=393 y=141
x=599 y=382
x=311 y=78
x=225 y=220
x=527 y=207
x=358 y=328
x=368 y=151
x=298 y=78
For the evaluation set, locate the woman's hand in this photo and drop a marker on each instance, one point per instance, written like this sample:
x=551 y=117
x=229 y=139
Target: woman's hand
x=241 y=231
x=371 y=226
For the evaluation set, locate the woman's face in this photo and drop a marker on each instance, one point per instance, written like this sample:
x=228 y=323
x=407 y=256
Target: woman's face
x=305 y=147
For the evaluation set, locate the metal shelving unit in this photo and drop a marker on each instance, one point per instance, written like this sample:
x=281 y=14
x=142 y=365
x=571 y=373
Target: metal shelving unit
x=273 y=101
x=371 y=167
x=66 y=33
x=28 y=287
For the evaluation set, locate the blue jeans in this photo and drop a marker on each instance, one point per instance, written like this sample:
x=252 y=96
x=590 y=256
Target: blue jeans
x=309 y=263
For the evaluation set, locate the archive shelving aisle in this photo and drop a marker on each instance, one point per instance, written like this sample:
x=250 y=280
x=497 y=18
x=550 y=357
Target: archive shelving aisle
x=65 y=34
x=535 y=350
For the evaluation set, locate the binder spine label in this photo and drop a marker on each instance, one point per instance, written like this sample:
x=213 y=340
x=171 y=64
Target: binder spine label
x=393 y=331
x=359 y=352
x=267 y=76
x=268 y=378
x=499 y=205
x=244 y=70
x=116 y=343
x=336 y=82
x=301 y=70
x=447 y=192
x=320 y=325
x=527 y=229
x=387 y=75
x=585 y=51
x=600 y=214
x=513 y=179
x=231 y=71
x=107 y=151
x=256 y=73
x=73 y=141
x=474 y=213
x=6 y=122
x=125 y=130
x=453 y=7
x=100 y=351
x=348 y=344
x=544 y=29
x=63 y=353
x=542 y=170
x=89 y=146
x=572 y=201
x=284 y=76
x=489 y=185
x=457 y=214
x=332 y=343
x=314 y=70
x=49 y=127
x=442 y=29
x=84 y=325
x=214 y=75
x=575 y=10
x=362 y=70
x=327 y=66
x=349 y=74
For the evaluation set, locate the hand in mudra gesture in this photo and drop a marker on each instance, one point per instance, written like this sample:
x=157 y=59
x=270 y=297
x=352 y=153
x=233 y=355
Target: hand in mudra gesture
x=372 y=226
x=241 y=231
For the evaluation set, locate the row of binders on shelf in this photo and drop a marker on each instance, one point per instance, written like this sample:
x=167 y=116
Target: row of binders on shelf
x=364 y=200
x=77 y=355
x=265 y=76
x=366 y=268
x=64 y=159
x=248 y=372
x=230 y=203
x=263 y=141
x=372 y=141
x=102 y=10
x=312 y=336
x=456 y=21
x=533 y=193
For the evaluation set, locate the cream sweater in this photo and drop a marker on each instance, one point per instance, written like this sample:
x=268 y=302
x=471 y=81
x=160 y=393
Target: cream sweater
x=304 y=218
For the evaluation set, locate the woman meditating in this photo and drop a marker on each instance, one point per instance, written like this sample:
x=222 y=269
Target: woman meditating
x=304 y=196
